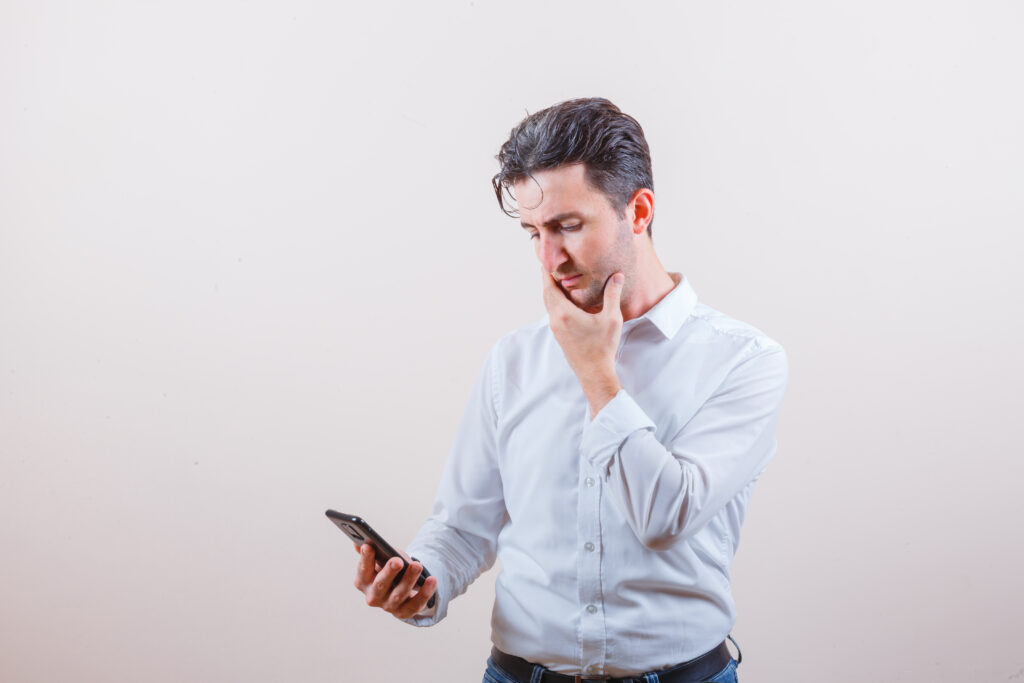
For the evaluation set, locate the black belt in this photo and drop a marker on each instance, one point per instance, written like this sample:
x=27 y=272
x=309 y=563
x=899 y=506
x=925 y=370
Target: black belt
x=698 y=669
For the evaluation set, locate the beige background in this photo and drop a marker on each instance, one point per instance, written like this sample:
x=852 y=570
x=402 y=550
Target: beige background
x=250 y=263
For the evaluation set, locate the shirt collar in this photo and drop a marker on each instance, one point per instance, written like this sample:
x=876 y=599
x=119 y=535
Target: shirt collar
x=669 y=314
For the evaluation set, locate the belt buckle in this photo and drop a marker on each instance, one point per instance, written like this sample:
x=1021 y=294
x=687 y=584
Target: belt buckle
x=580 y=678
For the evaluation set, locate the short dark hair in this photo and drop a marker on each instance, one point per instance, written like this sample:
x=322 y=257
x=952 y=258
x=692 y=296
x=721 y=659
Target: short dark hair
x=591 y=131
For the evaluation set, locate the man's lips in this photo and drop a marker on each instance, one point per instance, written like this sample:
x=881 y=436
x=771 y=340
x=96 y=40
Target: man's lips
x=570 y=281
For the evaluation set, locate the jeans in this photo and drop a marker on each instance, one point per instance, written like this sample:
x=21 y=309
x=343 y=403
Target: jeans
x=495 y=675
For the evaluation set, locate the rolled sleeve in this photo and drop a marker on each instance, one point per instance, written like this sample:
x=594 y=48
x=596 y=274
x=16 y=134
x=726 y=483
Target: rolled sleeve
x=668 y=493
x=615 y=422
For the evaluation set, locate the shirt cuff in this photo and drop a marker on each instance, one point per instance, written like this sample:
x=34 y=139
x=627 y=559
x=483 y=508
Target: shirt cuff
x=425 y=617
x=603 y=435
x=428 y=616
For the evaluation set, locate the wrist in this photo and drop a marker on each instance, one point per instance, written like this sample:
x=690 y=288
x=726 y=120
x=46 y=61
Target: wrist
x=600 y=390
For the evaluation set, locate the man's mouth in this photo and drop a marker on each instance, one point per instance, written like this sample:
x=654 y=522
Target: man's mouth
x=570 y=281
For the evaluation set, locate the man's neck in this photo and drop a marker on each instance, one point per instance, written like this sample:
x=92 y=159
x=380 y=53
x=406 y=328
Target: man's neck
x=652 y=284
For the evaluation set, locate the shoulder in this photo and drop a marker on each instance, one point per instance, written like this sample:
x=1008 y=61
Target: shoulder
x=526 y=360
x=732 y=351
x=711 y=326
x=528 y=341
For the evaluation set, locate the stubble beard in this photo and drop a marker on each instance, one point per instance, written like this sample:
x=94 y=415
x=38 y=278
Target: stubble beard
x=620 y=258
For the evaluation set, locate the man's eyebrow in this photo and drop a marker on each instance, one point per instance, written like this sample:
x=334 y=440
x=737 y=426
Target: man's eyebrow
x=556 y=218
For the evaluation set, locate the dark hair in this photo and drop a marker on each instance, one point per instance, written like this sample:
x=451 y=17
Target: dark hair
x=591 y=131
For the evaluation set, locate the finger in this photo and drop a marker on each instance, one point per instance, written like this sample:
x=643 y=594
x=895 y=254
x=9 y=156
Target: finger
x=613 y=293
x=377 y=592
x=416 y=604
x=549 y=282
x=556 y=301
x=365 y=568
x=404 y=589
x=550 y=289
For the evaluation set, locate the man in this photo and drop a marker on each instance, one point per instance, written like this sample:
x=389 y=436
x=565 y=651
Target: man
x=608 y=451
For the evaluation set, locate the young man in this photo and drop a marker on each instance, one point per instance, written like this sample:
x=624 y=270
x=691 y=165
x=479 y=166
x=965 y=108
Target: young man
x=608 y=451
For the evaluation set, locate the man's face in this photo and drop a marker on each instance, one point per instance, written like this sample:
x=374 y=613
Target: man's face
x=578 y=236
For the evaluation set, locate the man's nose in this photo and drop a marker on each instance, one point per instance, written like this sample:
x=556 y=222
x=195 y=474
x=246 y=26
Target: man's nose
x=551 y=253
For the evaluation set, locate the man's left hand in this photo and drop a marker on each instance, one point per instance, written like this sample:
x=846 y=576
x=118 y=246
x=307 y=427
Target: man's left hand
x=590 y=341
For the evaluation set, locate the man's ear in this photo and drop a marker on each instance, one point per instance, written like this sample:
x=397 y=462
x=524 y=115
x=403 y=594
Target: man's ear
x=640 y=210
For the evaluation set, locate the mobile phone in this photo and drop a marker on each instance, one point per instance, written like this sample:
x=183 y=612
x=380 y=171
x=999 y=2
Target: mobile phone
x=360 y=532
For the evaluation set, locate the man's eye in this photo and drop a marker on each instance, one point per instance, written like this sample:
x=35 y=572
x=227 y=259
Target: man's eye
x=570 y=228
x=534 y=235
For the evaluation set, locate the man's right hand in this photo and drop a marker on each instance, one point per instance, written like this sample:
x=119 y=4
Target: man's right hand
x=404 y=600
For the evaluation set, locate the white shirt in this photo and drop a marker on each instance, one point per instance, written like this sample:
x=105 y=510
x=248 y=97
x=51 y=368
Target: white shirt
x=616 y=534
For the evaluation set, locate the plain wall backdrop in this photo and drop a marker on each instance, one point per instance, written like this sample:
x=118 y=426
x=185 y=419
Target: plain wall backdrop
x=250 y=263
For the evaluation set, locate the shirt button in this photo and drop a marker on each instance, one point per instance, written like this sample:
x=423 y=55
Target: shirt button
x=592 y=609
x=589 y=546
x=589 y=481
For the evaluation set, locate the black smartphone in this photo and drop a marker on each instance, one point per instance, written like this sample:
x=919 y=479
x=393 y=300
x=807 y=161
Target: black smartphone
x=360 y=532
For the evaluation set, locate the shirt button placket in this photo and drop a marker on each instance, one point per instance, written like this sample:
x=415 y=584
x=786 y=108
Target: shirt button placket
x=592 y=626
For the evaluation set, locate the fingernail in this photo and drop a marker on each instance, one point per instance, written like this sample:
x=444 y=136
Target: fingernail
x=618 y=278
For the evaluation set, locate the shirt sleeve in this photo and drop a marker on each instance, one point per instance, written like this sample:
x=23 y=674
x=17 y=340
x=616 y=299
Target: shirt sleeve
x=668 y=489
x=459 y=539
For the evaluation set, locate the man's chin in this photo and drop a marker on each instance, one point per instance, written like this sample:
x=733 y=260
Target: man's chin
x=586 y=300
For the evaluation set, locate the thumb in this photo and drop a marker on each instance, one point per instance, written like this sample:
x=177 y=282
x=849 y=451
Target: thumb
x=613 y=292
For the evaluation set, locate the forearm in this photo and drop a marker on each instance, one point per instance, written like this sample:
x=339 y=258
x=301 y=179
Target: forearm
x=644 y=481
x=668 y=488
x=663 y=497
x=455 y=557
x=600 y=385
x=459 y=540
